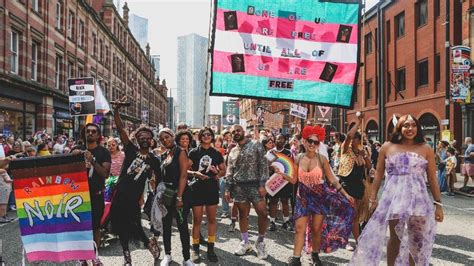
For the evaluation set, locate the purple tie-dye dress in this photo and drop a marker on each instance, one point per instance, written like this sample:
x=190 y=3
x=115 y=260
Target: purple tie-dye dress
x=405 y=198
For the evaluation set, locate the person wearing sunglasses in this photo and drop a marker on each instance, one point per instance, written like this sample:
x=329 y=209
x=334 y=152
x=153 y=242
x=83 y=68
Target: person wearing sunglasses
x=207 y=167
x=98 y=162
x=139 y=166
x=329 y=208
x=352 y=165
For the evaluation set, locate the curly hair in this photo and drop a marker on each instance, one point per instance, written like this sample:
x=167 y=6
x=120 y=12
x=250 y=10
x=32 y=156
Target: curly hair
x=144 y=128
x=182 y=133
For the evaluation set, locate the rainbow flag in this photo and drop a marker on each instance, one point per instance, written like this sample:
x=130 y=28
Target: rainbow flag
x=292 y=50
x=53 y=207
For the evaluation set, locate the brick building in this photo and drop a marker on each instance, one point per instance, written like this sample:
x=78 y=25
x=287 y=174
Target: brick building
x=47 y=42
x=413 y=72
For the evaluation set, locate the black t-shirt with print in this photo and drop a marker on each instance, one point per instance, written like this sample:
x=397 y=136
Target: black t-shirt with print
x=136 y=170
x=205 y=192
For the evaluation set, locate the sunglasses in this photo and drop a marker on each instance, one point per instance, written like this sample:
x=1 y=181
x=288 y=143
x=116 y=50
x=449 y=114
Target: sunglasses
x=312 y=141
x=207 y=135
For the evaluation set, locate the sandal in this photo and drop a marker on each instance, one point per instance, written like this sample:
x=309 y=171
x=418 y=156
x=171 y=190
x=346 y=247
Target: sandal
x=127 y=257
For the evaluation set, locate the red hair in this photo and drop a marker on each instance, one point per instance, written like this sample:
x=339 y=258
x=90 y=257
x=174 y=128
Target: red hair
x=316 y=130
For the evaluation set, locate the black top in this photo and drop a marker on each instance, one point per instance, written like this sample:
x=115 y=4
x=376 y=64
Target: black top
x=204 y=158
x=136 y=169
x=101 y=155
x=170 y=170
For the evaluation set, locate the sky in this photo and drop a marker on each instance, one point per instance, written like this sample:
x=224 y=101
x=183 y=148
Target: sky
x=168 y=19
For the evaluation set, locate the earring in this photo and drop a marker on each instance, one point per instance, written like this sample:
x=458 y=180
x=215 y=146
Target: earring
x=399 y=138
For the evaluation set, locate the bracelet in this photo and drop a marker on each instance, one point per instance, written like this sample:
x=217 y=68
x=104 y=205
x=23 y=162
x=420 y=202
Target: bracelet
x=179 y=198
x=373 y=201
x=436 y=202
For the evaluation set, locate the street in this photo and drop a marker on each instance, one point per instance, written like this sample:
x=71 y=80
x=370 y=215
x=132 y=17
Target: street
x=454 y=242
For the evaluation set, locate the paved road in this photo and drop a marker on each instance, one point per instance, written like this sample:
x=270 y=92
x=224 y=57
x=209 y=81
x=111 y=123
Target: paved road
x=454 y=243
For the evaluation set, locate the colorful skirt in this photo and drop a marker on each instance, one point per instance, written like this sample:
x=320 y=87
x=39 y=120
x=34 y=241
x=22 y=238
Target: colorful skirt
x=337 y=211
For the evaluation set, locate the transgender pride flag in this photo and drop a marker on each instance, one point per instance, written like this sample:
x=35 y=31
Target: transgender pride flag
x=53 y=206
x=296 y=50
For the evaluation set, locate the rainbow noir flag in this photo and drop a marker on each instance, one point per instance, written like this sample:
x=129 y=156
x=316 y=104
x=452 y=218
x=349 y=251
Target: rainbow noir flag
x=53 y=206
x=296 y=50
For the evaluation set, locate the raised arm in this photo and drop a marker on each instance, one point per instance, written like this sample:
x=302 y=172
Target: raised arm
x=118 y=122
x=350 y=135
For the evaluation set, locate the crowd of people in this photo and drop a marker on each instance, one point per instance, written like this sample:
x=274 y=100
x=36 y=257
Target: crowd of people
x=332 y=194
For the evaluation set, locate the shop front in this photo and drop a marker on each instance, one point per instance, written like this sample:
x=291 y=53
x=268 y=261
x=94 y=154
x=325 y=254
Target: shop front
x=430 y=127
x=17 y=118
x=372 y=130
x=63 y=121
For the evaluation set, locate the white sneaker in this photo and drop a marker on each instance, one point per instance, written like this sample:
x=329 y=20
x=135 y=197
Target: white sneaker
x=243 y=248
x=188 y=263
x=261 y=251
x=166 y=260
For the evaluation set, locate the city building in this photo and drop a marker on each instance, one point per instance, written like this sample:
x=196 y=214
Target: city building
x=193 y=99
x=156 y=63
x=139 y=27
x=48 y=42
x=405 y=67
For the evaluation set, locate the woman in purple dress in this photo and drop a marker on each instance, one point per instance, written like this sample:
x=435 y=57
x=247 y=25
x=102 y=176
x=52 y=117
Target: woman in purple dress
x=329 y=207
x=405 y=206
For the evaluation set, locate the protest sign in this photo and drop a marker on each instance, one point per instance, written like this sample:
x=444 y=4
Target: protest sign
x=81 y=96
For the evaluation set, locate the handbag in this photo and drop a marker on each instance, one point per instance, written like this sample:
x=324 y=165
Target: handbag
x=169 y=197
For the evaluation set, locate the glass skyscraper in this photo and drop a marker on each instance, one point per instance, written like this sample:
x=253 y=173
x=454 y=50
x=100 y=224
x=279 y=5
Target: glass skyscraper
x=193 y=99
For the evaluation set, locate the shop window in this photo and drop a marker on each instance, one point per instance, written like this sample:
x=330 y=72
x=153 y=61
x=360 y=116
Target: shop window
x=422 y=72
x=400 y=25
x=421 y=13
x=34 y=61
x=14 y=49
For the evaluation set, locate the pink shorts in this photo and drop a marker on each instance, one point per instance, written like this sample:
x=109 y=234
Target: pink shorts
x=467 y=169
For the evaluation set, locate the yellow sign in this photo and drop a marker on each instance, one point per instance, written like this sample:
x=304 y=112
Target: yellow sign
x=446 y=135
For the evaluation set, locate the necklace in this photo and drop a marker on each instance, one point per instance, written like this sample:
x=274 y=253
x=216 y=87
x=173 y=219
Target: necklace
x=142 y=156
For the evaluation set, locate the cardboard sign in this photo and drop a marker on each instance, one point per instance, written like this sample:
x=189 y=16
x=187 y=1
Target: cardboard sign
x=298 y=111
x=81 y=96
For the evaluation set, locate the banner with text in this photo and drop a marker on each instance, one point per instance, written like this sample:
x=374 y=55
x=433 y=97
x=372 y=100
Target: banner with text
x=230 y=113
x=303 y=51
x=53 y=207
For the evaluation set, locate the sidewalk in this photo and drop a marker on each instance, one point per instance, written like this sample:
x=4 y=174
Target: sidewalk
x=459 y=184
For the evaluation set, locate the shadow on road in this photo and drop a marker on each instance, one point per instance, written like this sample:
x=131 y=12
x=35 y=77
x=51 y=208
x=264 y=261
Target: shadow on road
x=455 y=241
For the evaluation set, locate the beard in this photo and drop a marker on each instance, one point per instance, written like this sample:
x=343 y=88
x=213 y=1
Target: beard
x=144 y=144
x=90 y=140
x=238 y=138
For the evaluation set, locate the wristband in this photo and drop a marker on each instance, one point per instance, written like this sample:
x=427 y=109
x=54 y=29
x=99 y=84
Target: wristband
x=435 y=202
x=178 y=198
